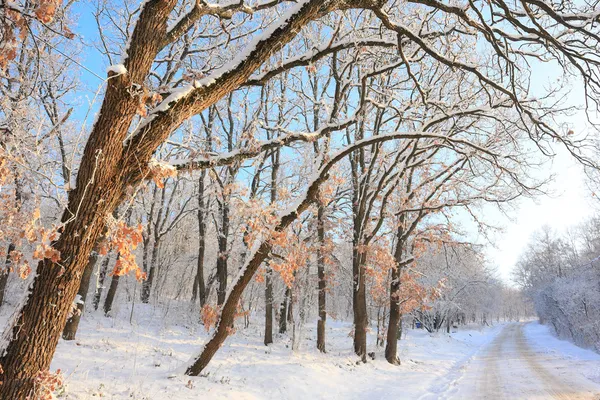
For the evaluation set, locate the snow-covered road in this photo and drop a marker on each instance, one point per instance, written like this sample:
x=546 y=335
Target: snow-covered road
x=519 y=365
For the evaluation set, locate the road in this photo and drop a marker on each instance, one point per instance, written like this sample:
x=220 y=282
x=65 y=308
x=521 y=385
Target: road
x=510 y=368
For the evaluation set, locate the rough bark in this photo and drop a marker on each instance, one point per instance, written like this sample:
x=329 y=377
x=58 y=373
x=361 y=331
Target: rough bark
x=269 y=275
x=223 y=256
x=100 y=185
x=359 y=293
x=72 y=324
x=147 y=284
x=359 y=297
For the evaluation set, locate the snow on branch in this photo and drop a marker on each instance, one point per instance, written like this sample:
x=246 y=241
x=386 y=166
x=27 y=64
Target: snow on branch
x=180 y=93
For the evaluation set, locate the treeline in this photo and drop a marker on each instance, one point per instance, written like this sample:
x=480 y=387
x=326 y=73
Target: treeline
x=560 y=273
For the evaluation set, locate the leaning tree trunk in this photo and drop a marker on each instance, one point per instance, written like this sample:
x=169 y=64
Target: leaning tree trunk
x=73 y=323
x=228 y=311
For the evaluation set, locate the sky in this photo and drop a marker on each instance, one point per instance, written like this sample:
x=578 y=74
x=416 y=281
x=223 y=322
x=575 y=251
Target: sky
x=569 y=203
x=569 y=200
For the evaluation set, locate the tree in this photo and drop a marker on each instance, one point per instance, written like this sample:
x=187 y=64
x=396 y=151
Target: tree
x=118 y=156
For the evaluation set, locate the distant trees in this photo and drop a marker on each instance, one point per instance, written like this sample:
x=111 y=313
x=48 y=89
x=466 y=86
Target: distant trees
x=559 y=273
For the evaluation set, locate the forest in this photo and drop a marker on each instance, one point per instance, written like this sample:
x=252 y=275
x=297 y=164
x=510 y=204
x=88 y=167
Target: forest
x=315 y=175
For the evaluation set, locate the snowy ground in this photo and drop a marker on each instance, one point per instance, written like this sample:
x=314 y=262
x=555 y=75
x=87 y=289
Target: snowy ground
x=114 y=359
x=524 y=361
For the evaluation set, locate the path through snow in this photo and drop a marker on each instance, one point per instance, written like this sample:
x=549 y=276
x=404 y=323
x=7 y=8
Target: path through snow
x=525 y=362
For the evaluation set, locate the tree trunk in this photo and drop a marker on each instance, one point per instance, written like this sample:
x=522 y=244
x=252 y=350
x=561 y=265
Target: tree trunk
x=101 y=278
x=199 y=290
x=269 y=275
x=359 y=297
x=322 y=282
x=283 y=311
x=269 y=307
x=8 y=263
x=391 y=348
x=223 y=253
x=5 y=273
x=110 y=296
x=147 y=284
x=73 y=323
x=229 y=307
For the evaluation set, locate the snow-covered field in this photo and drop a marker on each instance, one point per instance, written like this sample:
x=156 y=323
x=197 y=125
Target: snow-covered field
x=115 y=359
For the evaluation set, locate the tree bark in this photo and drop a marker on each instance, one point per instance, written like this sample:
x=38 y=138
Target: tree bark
x=223 y=256
x=110 y=296
x=391 y=347
x=147 y=284
x=70 y=330
x=322 y=282
x=269 y=307
x=283 y=311
x=269 y=275
x=199 y=290
x=101 y=278
x=359 y=297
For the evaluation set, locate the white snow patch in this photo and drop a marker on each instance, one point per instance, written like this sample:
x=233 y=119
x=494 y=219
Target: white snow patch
x=118 y=69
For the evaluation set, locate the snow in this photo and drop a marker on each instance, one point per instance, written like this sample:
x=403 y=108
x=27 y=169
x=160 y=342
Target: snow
x=115 y=359
x=179 y=93
x=543 y=340
x=523 y=361
x=145 y=359
x=118 y=69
